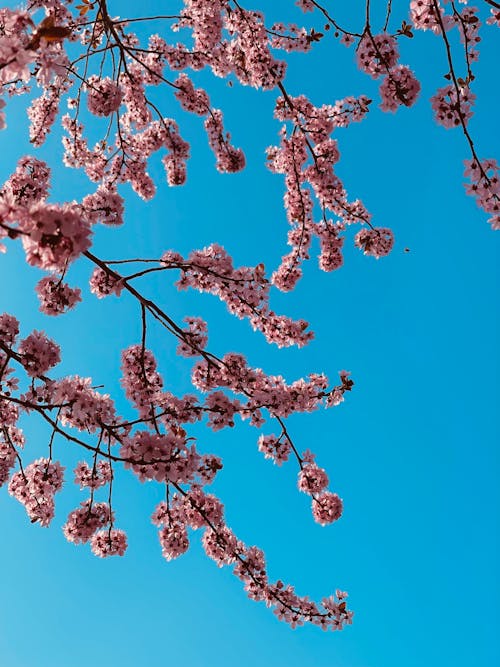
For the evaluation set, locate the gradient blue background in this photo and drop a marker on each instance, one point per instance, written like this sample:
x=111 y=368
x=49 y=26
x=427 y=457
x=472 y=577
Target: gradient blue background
x=413 y=451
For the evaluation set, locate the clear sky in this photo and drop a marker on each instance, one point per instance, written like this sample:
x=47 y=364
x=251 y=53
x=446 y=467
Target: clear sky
x=413 y=451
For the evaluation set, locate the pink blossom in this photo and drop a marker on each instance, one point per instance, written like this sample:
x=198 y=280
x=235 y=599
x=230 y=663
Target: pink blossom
x=248 y=52
x=312 y=479
x=103 y=283
x=229 y=159
x=424 y=16
x=194 y=337
x=276 y=449
x=99 y=475
x=221 y=546
x=29 y=184
x=173 y=540
x=450 y=109
x=54 y=236
x=9 y=328
x=191 y=99
x=8 y=458
x=43 y=113
x=331 y=257
x=39 y=353
x=305 y=5
x=83 y=522
x=291 y=37
x=3 y=123
x=82 y=407
x=326 y=508
x=376 y=242
x=399 y=87
x=494 y=19
x=205 y=21
x=160 y=457
x=35 y=488
x=104 y=96
x=140 y=379
x=377 y=54
x=111 y=542
x=105 y=205
x=347 y=40
x=485 y=186
x=202 y=509
x=55 y=296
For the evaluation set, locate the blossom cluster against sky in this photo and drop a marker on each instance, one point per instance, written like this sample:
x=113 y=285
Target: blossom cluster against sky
x=412 y=451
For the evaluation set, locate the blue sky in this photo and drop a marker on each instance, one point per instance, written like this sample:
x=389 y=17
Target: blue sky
x=413 y=451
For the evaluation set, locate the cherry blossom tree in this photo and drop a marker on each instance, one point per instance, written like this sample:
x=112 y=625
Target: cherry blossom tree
x=97 y=75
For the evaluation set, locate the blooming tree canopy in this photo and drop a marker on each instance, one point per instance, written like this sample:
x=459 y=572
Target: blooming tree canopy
x=105 y=79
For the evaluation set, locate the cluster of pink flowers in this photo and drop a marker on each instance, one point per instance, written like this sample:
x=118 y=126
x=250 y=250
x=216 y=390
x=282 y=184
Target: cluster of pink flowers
x=194 y=100
x=83 y=522
x=274 y=448
x=236 y=44
x=53 y=236
x=244 y=290
x=55 y=296
x=82 y=406
x=195 y=337
x=178 y=152
x=93 y=478
x=104 y=205
x=494 y=19
x=266 y=391
x=424 y=16
x=10 y=435
x=140 y=379
x=196 y=510
x=15 y=57
x=44 y=110
x=77 y=153
x=468 y=24
x=312 y=479
x=229 y=159
x=485 y=187
x=143 y=386
x=39 y=354
x=377 y=54
x=269 y=391
x=35 y=487
x=29 y=184
x=173 y=534
x=307 y=158
x=104 y=95
x=305 y=5
x=331 y=243
x=400 y=87
x=8 y=457
x=103 y=283
x=249 y=52
x=452 y=104
x=452 y=109
x=376 y=242
x=165 y=458
x=326 y=508
x=9 y=329
x=110 y=542
x=205 y=21
x=291 y=37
